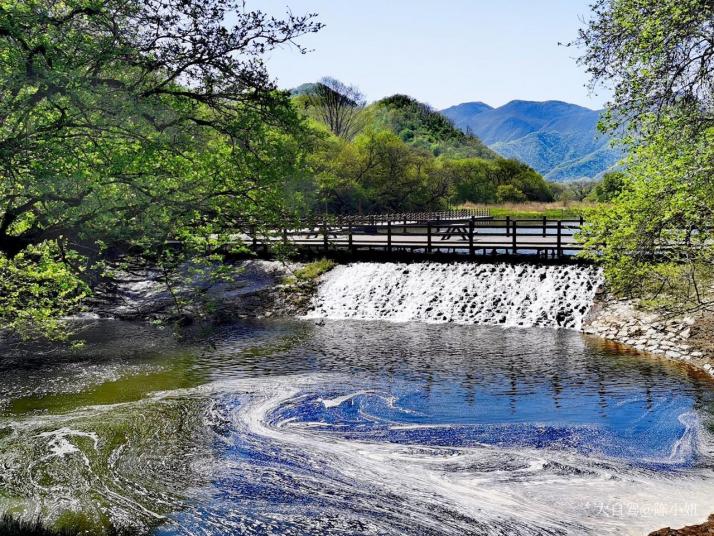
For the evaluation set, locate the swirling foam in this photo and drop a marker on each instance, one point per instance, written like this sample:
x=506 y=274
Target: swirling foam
x=289 y=467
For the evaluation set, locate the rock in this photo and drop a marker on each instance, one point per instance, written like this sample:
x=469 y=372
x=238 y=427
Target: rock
x=683 y=339
x=257 y=289
x=705 y=529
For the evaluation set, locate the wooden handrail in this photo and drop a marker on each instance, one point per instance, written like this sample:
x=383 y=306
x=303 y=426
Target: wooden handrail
x=468 y=235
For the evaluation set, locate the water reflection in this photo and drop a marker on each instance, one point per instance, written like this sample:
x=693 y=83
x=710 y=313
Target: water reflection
x=512 y=363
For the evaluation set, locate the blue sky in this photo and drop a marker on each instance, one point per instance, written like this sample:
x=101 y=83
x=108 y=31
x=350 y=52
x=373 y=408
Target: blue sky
x=441 y=52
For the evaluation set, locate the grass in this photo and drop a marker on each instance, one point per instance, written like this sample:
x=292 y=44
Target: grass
x=311 y=271
x=534 y=209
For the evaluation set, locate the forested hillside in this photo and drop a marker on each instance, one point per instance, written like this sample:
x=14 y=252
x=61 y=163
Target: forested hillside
x=399 y=154
x=420 y=126
x=558 y=139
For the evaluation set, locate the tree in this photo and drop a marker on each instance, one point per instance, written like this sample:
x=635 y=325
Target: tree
x=656 y=55
x=124 y=123
x=609 y=187
x=507 y=193
x=378 y=172
x=37 y=290
x=656 y=238
x=105 y=105
x=578 y=190
x=338 y=106
x=471 y=179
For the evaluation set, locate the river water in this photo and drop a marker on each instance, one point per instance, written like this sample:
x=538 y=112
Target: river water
x=353 y=427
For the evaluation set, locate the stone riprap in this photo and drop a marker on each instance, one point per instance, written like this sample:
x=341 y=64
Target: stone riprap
x=622 y=322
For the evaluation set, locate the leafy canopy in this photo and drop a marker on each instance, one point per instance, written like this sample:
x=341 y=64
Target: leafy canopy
x=127 y=123
x=656 y=239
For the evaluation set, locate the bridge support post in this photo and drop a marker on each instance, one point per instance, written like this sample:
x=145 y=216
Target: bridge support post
x=428 y=237
x=349 y=237
x=325 y=245
x=560 y=238
x=471 y=236
x=514 y=235
x=508 y=225
x=254 y=234
x=544 y=225
x=389 y=236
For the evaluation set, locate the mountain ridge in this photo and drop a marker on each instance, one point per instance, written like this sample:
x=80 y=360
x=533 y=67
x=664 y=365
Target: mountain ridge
x=556 y=138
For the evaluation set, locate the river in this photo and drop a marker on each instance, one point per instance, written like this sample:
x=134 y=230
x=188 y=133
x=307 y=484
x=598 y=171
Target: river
x=353 y=427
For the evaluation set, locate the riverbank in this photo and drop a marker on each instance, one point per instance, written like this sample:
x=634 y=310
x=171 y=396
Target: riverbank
x=688 y=339
x=255 y=289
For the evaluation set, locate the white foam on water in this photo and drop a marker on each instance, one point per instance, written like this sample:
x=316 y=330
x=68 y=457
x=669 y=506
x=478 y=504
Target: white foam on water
x=477 y=489
x=337 y=401
x=509 y=295
x=494 y=489
x=59 y=443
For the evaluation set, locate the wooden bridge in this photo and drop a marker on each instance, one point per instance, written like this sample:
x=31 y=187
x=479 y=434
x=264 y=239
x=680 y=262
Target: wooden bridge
x=463 y=232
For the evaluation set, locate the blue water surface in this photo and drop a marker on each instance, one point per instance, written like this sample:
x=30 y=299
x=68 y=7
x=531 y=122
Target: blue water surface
x=444 y=388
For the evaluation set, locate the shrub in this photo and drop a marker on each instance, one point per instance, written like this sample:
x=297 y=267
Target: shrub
x=507 y=193
x=314 y=269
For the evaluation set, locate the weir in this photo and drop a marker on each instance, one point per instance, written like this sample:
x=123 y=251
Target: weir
x=508 y=295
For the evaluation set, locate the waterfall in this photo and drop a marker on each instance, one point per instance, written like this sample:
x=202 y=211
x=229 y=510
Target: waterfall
x=491 y=294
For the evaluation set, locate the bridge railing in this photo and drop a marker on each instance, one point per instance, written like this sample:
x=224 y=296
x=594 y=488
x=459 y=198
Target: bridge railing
x=416 y=216
x=471 y=235
x=373 y=219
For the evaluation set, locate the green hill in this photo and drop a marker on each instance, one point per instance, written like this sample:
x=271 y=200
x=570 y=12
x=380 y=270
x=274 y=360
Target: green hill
x=416 y=123
x=399 y=154
x=421 y=126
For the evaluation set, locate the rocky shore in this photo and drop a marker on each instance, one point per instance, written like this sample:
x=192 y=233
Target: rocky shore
x=256 y=289
x=685 y=338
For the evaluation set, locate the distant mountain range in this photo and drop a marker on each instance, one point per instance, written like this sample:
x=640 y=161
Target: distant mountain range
x=557 y=139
